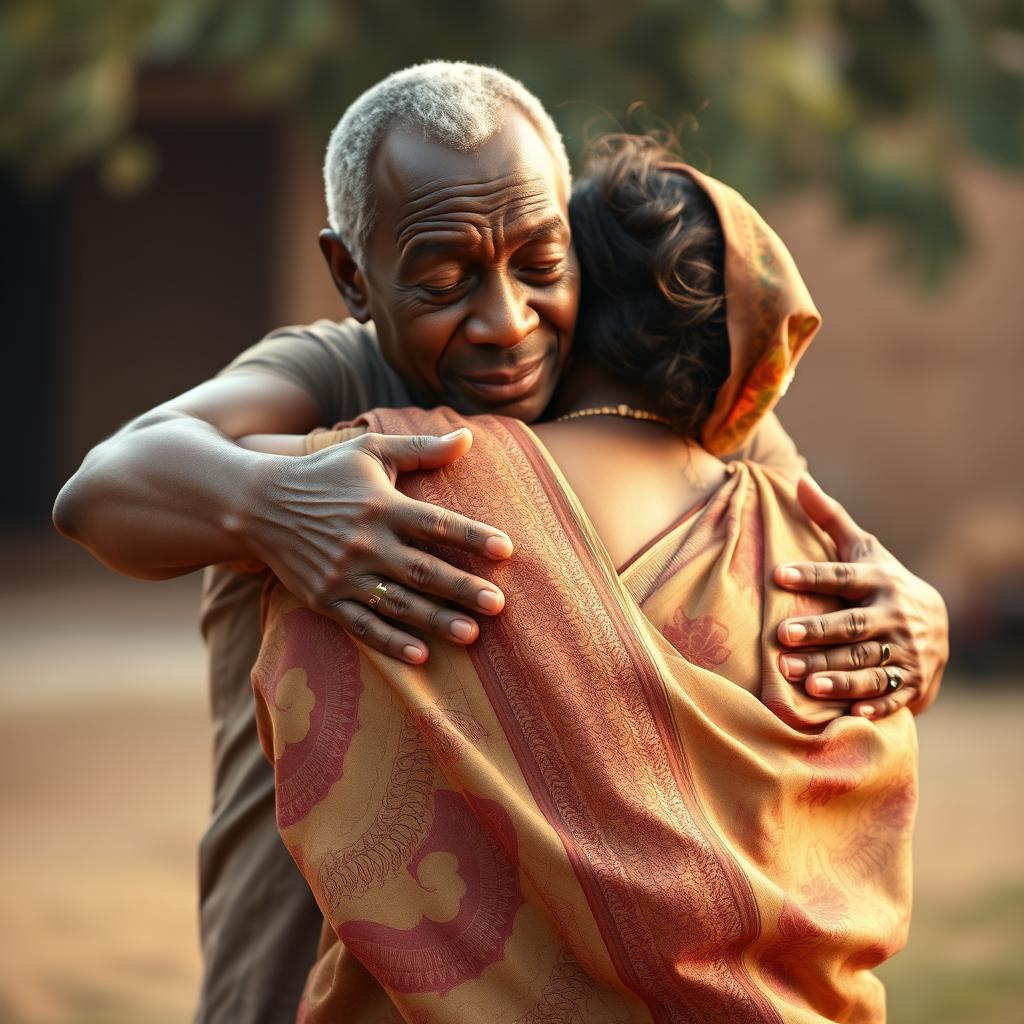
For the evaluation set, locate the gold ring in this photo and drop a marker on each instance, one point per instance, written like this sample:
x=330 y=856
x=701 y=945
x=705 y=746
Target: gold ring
x=379 y=591
x=886 y=654
x=895 y=679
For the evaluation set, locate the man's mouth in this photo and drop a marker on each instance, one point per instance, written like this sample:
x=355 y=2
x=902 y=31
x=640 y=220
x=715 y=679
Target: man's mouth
x=501 y=386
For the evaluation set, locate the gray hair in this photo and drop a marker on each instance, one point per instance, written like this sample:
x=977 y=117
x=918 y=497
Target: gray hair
x=458 y=104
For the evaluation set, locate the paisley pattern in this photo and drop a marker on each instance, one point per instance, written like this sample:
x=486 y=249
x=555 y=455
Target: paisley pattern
x=702 y=640
x=839 y=764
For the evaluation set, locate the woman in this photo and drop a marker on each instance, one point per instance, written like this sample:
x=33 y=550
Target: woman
x=612 y=807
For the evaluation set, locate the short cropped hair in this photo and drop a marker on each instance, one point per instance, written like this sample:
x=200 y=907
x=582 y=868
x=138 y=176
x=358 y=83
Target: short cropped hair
x=458 y=104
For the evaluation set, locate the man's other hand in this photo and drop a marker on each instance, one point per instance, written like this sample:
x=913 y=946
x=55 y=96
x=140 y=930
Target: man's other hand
x=842 y=654
x=334 y=530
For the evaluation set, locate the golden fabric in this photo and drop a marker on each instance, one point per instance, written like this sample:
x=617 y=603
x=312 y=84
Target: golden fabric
x=770 y=317
x=612 y=807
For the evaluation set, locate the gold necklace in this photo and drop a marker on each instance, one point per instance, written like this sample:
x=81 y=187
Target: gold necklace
x=615 y=410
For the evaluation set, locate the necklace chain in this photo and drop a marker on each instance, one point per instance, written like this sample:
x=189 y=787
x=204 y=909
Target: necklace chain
x=621 y=409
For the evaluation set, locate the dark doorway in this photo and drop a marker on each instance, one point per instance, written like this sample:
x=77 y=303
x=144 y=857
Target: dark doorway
x=160 y=290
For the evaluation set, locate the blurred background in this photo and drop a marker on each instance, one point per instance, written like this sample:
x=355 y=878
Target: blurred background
x=160 y=199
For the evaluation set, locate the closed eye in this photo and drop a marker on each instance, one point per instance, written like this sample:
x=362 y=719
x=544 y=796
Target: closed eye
x=544 y=271
x=448 y=289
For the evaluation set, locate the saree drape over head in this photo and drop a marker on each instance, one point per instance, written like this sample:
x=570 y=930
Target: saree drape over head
x=612 y=806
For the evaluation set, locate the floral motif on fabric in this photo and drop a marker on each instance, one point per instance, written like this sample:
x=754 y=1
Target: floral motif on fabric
x=790 y=963
x=838 y=763
x=883 y=828
x=701 y=641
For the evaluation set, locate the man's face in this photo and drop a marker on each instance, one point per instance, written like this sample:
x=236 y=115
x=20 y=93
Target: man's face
x=471 y=279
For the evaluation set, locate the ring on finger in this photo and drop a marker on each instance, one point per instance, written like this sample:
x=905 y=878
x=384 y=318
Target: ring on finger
x=886 y=654
x=378 y=592
x=895 y=679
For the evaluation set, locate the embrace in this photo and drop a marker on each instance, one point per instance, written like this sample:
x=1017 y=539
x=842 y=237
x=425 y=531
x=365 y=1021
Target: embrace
x=607 y=718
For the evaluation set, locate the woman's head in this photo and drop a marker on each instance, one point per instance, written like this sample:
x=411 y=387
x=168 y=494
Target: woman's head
x=661 y=245
x=651 y=254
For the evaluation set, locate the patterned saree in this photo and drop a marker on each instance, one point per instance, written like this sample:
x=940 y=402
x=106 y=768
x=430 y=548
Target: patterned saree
x=612 y=807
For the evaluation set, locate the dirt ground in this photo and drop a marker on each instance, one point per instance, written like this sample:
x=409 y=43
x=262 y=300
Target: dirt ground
x=104 y=788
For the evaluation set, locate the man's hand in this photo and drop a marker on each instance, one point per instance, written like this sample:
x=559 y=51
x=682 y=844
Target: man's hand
x=840 y=654
x=331 y=527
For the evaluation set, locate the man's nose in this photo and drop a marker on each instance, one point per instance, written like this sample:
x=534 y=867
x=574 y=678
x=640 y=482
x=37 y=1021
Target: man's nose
x=502 y=315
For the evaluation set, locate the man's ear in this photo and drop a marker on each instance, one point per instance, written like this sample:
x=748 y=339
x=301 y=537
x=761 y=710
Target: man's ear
x=348 y=278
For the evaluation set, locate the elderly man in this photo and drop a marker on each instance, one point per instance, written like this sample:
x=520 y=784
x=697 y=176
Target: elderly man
x=448 y=187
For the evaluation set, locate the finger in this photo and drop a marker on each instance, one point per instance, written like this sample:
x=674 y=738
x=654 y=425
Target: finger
x=858 y=685
x=884 y=706
x=850 y=539
x=408 y=452
x=851 y=580
x=834 y=628
x=400 y=603
x=365 y=625
x=429 y=575
x=866 y=654
x=420 y=520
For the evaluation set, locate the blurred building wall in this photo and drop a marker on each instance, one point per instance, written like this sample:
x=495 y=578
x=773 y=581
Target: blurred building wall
x=907 y=405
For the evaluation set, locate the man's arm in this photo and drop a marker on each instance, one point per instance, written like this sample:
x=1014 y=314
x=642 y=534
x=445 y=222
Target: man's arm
x=164 y=495
x=172 y=491
x=841 y=654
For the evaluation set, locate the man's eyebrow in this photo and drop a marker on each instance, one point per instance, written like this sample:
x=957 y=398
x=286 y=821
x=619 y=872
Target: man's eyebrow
x=454 y=244
x=449 y=244
x=545 y=231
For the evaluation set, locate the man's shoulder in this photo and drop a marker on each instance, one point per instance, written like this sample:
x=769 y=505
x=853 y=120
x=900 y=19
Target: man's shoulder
x=347 y=336
x=339 y=363
x=343 y=341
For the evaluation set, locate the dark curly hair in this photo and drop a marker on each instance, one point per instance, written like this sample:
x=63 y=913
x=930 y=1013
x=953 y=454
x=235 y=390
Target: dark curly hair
x=651 y=252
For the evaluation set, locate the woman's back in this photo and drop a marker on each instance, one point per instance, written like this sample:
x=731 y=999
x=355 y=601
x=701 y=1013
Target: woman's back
x=583 y=815
x=634 y=479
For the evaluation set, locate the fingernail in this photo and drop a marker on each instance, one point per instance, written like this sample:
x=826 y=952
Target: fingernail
x=793 y=668
x=868 y=712
x=490 y=601
x=789 y=575
x=823 y=684
x=795 y=632
x=462 y=629
x=498 y=547
x=413 y=654
x=454 y=433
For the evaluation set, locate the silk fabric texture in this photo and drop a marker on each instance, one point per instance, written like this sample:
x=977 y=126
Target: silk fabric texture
x=770 y=317
x=612 y=806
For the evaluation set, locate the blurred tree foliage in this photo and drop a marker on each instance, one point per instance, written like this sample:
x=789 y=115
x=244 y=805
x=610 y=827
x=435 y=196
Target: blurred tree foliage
x=872 y=99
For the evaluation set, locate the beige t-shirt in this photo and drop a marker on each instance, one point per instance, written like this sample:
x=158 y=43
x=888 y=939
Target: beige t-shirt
x=340 y=365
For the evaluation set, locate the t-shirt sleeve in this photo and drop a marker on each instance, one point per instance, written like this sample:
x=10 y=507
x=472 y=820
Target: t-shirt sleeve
x=771 y=446
x=339 y=365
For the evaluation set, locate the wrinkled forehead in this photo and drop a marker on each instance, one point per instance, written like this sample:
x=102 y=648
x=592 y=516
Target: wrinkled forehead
x=415 y=179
